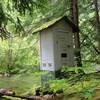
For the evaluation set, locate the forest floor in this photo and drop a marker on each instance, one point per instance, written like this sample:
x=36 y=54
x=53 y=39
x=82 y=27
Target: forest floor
x=23 y=84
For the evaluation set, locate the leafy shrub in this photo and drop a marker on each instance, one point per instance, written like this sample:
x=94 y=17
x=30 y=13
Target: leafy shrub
x=21 y=56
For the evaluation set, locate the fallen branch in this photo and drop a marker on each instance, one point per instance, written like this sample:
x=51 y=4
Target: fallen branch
x=21 y=97
x=45 y=97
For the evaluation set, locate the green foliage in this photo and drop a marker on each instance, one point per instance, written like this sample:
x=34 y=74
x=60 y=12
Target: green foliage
x=19 y=15
x=23 y=5
x=24 y=55
x=88 y=33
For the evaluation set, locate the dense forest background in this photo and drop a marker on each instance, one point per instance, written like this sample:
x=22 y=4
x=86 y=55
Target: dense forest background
x=19 y=48
x=19 y=45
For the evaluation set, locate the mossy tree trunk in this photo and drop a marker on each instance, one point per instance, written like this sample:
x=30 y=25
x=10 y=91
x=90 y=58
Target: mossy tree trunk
x=97 y=22
x=75 y=19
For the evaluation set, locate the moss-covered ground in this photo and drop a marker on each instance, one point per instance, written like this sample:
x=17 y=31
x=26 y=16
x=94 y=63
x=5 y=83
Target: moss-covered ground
x=87 y=86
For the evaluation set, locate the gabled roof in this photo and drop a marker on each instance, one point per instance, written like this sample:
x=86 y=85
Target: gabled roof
x=41 y=26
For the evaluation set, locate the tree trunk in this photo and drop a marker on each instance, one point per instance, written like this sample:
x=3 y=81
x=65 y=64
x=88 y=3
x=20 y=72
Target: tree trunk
x=97 y=22
x=75 y=19
x=9 y=65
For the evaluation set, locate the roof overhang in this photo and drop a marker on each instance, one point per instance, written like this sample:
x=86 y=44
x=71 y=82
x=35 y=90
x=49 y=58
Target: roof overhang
x=41 y=26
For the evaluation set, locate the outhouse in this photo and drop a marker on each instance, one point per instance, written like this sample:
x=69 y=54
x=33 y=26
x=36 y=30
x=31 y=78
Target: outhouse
x=57 y=44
